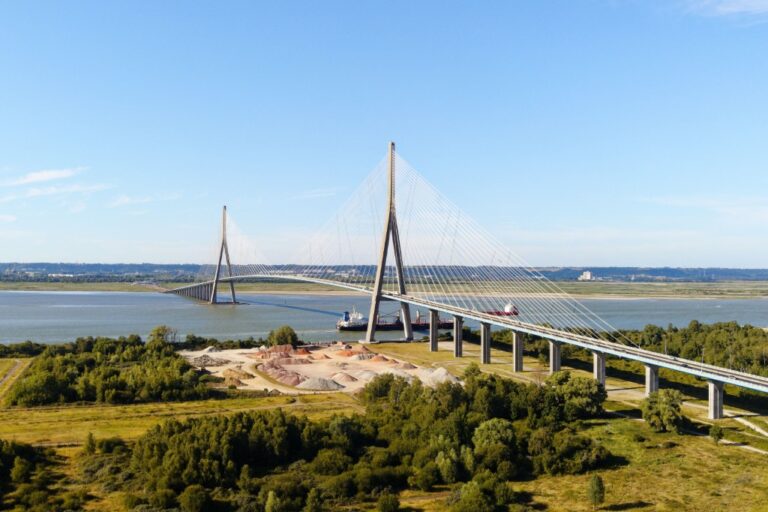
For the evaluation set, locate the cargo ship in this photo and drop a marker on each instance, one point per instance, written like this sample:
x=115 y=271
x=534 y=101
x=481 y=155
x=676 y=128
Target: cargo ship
x=355 y=321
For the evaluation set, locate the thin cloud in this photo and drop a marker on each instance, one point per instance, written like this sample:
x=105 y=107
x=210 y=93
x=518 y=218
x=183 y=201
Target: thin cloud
x=35 y=192
x=125 y=200
x=7 y=218
x=730 y=7
x=43 y=176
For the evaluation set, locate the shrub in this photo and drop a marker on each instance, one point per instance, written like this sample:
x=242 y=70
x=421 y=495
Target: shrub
x=194 y=499
x=662 y=410
x=388 y=502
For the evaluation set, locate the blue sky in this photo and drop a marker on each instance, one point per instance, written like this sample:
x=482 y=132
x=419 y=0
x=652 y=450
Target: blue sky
x=590 y=132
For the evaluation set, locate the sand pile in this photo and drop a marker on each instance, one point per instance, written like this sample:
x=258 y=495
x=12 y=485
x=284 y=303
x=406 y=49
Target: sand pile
x=280 y=374
x=206 y=360
x=320 y=384
x=318 y=357
x=398 y=373
x=379 y=359
x=290 y=360
x=365 y=375
x=433 y=377
x=343 y=377
x=301 y=352
x=236 y=373
x=406 y=366
x=345 y=353
x=231 y=381
x=364 y=357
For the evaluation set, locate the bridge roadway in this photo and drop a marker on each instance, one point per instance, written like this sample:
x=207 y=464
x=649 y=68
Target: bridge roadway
x=652 y=360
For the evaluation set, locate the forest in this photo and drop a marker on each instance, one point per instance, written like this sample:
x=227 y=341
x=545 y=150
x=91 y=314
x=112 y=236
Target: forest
x=474 y=438
x=105 y=370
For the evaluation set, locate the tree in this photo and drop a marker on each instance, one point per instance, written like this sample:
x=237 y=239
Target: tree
x=90 y=444
x=662 y=410
x=194 y=499
x=21 y=470
x=388 y=502
x=284 y=335
x=596 y=491
x=314 y=501
x=716 y=433
x=274 y=504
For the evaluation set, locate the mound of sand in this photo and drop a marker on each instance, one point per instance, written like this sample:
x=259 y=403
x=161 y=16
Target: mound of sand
x=343 y=377
x=290 y=360
x=320 y=384
x=363 y=349
x=433 y=377
x=379 y=359
x=365 y=375
x=398 y=373
x=364 y=357
x=280 y=374
x=301 y=352
x=236 y=373
x=345 y=353
x=318 y=357
x=406 y=366
x=205 y=360
x=231 y=381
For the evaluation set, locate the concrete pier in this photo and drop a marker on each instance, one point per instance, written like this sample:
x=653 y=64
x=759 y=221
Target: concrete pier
x=554 y=356
x=598 y=368
x=433 y=323
x=485 y=343
x=458 y=333
x=715 y=400
x=517 y=352
x=651 y=379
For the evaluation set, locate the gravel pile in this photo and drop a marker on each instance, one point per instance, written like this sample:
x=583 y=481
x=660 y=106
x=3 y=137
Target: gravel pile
x=320 y=384
x=205 y=360
x=344 y=377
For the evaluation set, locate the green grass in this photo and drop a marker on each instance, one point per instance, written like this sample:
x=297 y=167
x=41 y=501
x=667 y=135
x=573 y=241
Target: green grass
x=10 y=371
x=69 y=425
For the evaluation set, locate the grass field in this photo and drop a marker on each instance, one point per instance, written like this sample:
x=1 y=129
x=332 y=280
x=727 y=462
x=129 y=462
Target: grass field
x=721 y=289
x=663 y=472
x=70 y=424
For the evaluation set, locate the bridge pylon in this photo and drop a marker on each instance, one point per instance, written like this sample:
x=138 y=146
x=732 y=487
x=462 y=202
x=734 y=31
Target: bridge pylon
x=390 y=232
x=223 y=252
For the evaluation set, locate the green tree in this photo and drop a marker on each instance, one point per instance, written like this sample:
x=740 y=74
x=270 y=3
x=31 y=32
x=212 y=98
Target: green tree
x=89 y=448
x=284 y=335
x=273 y=504
x=662 y=410
x=596 y=491
x=388 y=502
x=314 y=501
x=21 y=470
x=194 y=499
x=716 y=433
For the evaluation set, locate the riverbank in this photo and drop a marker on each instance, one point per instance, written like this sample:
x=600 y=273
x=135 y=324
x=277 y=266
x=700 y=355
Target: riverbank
x=591 y=290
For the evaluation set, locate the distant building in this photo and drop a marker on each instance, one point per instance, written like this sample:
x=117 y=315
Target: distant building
x=586 y=276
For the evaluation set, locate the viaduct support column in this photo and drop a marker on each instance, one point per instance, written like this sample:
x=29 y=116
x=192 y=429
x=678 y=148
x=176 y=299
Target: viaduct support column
x=598 y=369
x=715 y=400
x=517 y=352
x=458 y=332
x=651 y=379
x=433 y=324
x=485 y=343
x=554 y=356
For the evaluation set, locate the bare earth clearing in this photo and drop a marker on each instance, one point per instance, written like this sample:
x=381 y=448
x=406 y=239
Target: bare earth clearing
x=337 y=367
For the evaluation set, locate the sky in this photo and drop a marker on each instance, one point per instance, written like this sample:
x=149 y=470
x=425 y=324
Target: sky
x=577 y=132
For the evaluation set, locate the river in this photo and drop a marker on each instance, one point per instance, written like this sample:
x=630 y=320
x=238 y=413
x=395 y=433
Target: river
x=51 y=317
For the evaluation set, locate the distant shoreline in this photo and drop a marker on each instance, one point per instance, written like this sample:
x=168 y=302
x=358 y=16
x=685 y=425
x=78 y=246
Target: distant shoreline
x=595 y=291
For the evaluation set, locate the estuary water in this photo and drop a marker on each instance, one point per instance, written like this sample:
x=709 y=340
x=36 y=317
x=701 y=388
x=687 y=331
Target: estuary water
x=51 y=317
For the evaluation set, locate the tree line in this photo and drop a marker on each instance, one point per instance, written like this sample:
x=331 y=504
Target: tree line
x=474 y=438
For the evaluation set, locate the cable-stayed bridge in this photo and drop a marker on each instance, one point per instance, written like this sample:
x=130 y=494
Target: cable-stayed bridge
x=398 y=239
